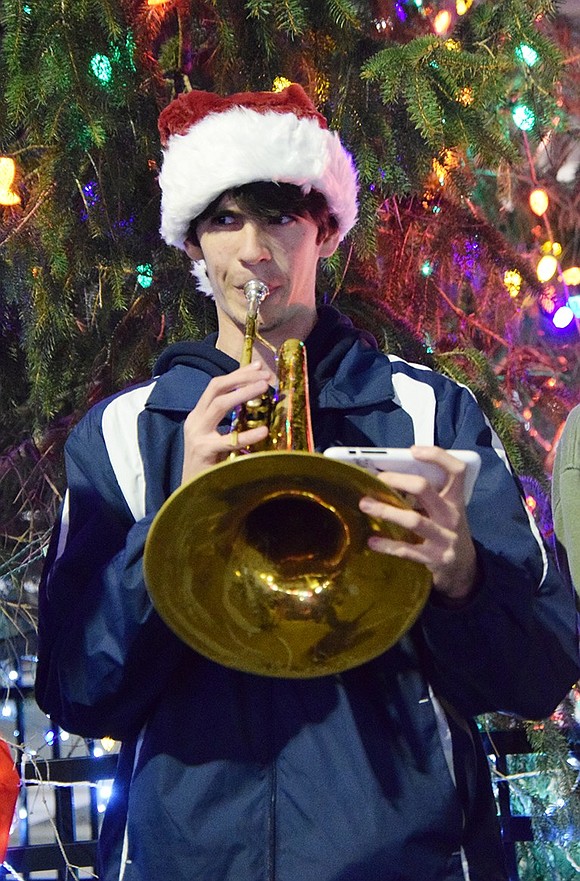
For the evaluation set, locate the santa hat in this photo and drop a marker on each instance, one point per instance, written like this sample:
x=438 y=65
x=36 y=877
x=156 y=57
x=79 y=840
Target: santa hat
x=212 y=144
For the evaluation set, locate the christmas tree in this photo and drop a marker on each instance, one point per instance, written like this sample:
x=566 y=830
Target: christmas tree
x=462 y=120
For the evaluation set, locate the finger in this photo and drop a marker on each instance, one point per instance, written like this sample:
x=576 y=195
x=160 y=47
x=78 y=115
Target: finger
x=222 y=385
x=443 y=507
x=239 y=440
x=209 y=413
x=414 y=521
x=438 y=456
x=402 y=550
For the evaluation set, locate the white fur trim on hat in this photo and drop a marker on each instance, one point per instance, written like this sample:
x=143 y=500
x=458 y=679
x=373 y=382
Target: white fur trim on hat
x=240 y=146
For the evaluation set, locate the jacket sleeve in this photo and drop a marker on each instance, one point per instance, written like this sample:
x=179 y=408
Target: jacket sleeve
x=514 y=647
x=104 y=655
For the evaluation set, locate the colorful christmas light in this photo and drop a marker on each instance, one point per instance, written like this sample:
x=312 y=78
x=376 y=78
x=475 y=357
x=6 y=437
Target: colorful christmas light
x=101 y=68
x=442 y=22
x=539 y=201
x=144 y=275
x=563 y=317
x=571 y=276
x=527 y=54
x=7 y=175
x=546 y=268
x=524 y=117
x=513 y=282
x=280 y=83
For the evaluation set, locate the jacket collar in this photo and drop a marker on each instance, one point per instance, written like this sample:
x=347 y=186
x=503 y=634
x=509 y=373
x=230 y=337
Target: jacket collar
x=345 y=368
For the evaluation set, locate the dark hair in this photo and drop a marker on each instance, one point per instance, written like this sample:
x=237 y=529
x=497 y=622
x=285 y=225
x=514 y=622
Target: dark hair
x=267 y=199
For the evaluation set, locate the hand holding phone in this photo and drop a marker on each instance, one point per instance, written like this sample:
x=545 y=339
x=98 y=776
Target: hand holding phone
x=377 y=459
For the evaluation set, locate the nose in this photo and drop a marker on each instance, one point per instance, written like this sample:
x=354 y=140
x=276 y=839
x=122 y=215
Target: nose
x=254 y=244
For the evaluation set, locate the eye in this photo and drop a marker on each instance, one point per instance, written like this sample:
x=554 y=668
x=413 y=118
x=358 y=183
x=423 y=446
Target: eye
x=282 y=219
x=224 y=218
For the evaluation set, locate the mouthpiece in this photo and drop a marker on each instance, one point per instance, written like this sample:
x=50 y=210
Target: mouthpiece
x=254 y=289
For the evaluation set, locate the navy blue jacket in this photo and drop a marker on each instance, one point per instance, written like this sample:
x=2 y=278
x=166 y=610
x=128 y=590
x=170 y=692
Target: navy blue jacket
x=376 y=774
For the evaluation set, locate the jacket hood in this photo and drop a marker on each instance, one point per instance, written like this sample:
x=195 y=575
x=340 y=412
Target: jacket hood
x=341 y=362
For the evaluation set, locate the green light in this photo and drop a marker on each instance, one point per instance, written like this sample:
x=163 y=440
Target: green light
x=101 y=67
x=418 y=3
x=527 y=54
x=27 y=9
x=524 y=117
x=144 y=275
x=427 y=268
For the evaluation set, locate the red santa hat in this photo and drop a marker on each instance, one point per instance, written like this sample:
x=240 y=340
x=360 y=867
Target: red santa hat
x=211 y=144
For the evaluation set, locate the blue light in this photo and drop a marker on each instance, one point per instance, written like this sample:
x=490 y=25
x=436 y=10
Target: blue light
x=574 y=304
x=527 y=54
x=101 y=67
x=145 y=275
x=91 y=192
x=524 y=117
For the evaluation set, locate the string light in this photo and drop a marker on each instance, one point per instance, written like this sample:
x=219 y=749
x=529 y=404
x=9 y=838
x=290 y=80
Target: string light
x=524 y=117
x=563 y=317
x=101 y=68
x=574 y=305
x=571 y=276
x=427 y=268
x=527 y=54
x=547 y=302
x=531 y=503
x=144 y=275
x=442 y=22
x=7 y=175
x=546 y=268
x=465 y=96
x=280 y=83
x=539 y=201
x=513 y=282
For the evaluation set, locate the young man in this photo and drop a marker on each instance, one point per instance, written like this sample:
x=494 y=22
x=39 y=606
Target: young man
x=376 y=774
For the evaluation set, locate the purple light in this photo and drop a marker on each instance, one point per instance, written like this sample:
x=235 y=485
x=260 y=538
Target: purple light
x=563 y=317
x=91 y=192
x=401 y=14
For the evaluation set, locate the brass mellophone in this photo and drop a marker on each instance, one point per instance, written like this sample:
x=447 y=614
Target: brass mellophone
x=261 y=562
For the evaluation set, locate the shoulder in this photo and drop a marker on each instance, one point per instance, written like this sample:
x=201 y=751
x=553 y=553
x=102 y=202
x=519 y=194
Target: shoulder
x=567 y=457
x=114 y=413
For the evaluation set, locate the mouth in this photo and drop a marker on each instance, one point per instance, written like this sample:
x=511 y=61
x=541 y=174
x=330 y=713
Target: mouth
x=272 y=288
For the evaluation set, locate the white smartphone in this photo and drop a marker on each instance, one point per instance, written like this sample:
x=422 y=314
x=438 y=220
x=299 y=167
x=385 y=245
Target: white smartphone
x=376 y=459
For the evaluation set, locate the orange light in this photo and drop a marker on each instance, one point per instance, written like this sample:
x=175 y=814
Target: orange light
x=571 y=276
x=442 y=22
x=539 y=201
x=465 y=96
x=7 y=175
